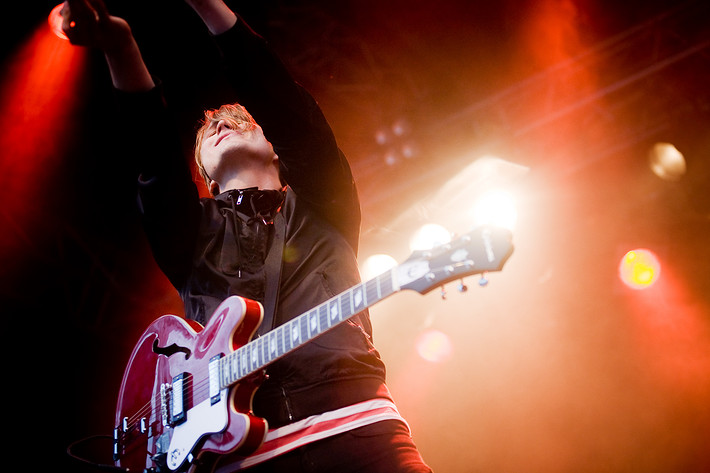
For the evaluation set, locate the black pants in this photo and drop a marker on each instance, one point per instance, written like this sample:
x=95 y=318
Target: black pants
x=383 y=447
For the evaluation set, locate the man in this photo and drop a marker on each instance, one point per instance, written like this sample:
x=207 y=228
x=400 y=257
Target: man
x=212 y=248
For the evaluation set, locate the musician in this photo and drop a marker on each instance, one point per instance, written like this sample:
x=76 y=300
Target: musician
x=270 y=156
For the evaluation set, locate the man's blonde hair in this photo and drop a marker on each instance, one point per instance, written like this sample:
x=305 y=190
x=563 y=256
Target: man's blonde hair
x=234 y=114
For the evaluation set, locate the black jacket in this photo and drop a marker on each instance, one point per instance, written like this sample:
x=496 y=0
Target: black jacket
x=213 y=248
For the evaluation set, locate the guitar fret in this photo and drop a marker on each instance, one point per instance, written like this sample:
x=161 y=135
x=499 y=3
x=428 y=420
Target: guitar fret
x=371 y=291
x=280 y=340
x=253 y=356
x=222 y=373
x=324 y=314
x=323 y=319
x=334 y=310
x=257 y=355
x=263 y=347
x=303 y=326
x=226 y=372
x=345 y=308
x=245 y=359
x=295 y=335
x=234 y=367
x=281 y=337
x=241 y=357
x=312 y=324
x=263 y=351
x=385 y=284
x=273 y=347
x=357 y=299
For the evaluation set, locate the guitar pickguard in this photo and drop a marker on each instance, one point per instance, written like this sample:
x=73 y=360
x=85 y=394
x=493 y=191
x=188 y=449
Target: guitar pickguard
x=202 y=419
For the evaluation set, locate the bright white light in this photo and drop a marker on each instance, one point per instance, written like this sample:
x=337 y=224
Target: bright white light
x=376 y=265
x=429 y=236
x=495 y=208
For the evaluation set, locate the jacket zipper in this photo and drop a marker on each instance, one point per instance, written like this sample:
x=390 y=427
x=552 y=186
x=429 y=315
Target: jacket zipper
x=287 y=403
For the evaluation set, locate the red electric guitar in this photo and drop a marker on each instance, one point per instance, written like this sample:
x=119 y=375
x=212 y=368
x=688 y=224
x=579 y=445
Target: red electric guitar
x=186 y=391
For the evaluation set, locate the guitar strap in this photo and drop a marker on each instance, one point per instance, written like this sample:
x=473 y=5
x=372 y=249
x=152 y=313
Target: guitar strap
x=273 y=274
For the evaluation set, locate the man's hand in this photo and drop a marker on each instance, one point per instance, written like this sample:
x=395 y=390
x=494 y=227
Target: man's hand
x=88 y=23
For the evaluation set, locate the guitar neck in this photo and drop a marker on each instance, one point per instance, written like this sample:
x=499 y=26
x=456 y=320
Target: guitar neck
x=258 y=353
x=484 y=249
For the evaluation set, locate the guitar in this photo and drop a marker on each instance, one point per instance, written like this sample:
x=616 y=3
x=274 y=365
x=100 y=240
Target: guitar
x=186 y=391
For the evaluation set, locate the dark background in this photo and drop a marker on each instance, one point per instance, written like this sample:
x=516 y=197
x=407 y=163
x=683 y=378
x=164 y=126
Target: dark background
x=556 y=366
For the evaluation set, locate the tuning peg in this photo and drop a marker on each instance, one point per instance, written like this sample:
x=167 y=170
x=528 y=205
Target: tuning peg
x=483 y=282
x=462 y=287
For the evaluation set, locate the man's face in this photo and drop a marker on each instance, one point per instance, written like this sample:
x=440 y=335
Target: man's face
x=227 y=146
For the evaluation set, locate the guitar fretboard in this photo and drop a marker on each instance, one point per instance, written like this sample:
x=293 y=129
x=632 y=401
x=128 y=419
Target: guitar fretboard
x=258 y=353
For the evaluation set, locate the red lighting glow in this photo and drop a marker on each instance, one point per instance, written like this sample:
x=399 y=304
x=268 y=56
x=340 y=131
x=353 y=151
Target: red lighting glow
x=38 y=97
x=639 y=269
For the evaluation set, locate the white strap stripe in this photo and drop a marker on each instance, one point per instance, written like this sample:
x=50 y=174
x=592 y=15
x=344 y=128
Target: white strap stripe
x=314 y=428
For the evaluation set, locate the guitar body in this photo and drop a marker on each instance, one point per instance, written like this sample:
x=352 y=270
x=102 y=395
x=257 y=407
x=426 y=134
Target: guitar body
x=167 y=408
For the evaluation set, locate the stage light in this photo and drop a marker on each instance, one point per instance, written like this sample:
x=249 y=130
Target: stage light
x=639 y=269
x=375 y=265
x=381 y=137
x=429 y=236
x=391 y=158
x=495 y=208
x=434 y=346
x=666 y=161
x=400 y=127
x=55 y=22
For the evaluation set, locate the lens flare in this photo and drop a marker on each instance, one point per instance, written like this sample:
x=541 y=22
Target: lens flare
x=639 y=269
x=434 y=346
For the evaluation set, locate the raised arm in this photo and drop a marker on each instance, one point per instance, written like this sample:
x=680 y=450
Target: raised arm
x=292 y=121
x=216 y=15
x=88 y=23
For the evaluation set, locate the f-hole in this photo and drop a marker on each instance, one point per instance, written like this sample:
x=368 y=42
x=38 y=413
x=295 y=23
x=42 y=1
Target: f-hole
x=170 y=350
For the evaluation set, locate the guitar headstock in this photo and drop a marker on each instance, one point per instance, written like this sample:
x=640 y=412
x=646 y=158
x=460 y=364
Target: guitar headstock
x=484 y=249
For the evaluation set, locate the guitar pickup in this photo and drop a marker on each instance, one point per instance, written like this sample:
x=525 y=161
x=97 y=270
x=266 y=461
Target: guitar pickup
x=178 y=399
x=215 y=389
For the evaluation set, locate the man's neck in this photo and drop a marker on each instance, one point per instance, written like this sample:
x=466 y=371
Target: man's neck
x=246 y=180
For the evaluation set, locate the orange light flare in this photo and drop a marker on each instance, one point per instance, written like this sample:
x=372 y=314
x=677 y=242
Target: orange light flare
x=38 y=97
